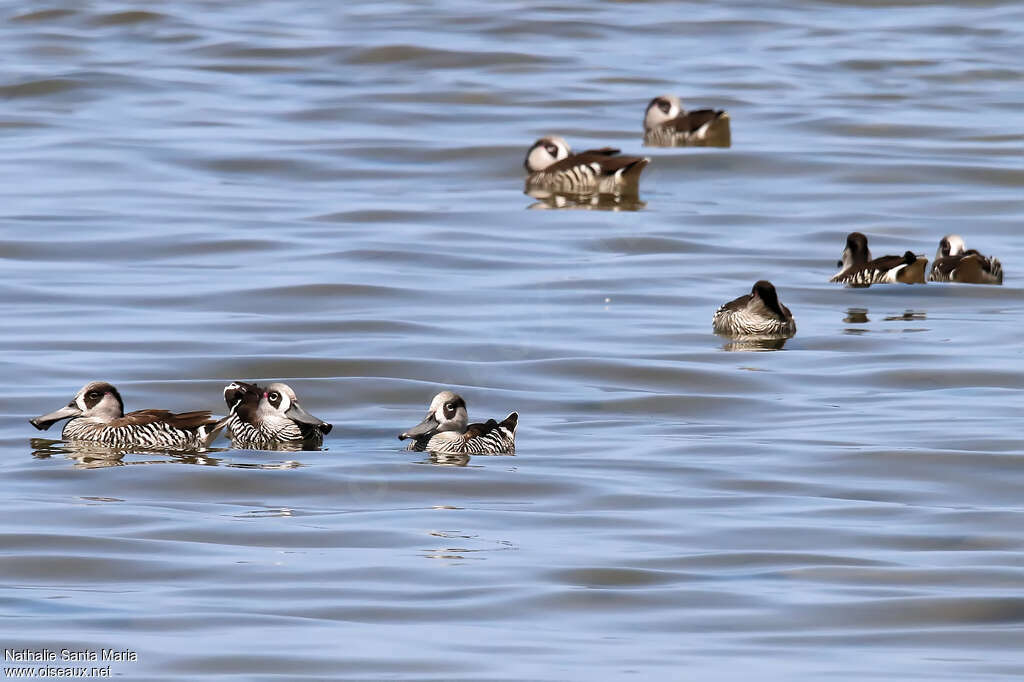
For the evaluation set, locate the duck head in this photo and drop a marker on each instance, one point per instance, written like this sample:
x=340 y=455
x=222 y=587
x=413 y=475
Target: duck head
x=662 y=109
x=242 y=398
x=950 y=245
x=546 y=151
x=279 y=401
x=447 y=413
x=765 y=291
x=856 y=251
x=97 y=399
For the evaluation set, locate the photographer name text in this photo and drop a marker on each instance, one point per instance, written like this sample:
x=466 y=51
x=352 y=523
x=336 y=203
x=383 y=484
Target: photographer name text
x=52 y=655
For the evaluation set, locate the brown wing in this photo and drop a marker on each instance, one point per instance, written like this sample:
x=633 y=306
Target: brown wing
x=693 y=120
x=600 y=156
x=605 y=158
x=603 y=151
x=183 y=420
x=971 y=269
x=477 y=430
x=885 y=263
x=991 y=268
x=942 y=268
x=737 y=303
x=913 y=273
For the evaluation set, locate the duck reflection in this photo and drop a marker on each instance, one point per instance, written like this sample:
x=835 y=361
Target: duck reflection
x=860 y=316
x=466 y=546
x=452 y=459
x=596 y=202
x=97 y=456
x=755 y=344
x=907 y=315
x=856 y=316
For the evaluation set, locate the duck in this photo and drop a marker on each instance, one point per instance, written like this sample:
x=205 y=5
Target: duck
x=271 y=418
x=96 y=415
x=446 y=430
x=759 y=313
x=552 y=168
x=857 y=268
x=668 y=124
x=954 y=262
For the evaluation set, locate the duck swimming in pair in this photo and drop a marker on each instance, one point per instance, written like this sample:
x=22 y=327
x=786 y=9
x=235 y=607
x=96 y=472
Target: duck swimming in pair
x=757 y=314
x=553 y=169
x=668 y=124
x=270 y=418
x=96 y=415
x=954 y=262
x=446 y=430
x=857 y=268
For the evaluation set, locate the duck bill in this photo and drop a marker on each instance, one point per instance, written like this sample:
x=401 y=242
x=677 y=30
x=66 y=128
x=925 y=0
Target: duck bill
x=47 y=420
x=297 y=414
x=427 y=426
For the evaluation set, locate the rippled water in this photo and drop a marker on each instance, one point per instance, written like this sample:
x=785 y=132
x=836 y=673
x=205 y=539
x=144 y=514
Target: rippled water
x=331 y=194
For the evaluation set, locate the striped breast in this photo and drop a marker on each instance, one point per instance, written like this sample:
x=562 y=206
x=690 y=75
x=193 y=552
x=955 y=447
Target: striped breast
x=156 y=434
x=596 y=171
x=285 y=434
x=490 y=438
x=694 y=127
x=581 y=179
x=969 y=268
x=864 y=276
x=907 y=269
x=746 y=323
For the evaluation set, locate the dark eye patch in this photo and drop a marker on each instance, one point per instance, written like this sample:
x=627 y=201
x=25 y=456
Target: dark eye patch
x=449 y=410
x=274 y=397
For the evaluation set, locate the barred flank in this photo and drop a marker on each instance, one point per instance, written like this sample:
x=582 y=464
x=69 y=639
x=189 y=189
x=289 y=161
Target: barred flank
x=265 y=436
x=155 y=434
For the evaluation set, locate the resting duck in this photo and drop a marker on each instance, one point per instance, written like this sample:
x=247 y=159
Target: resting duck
x=759 y=313
x=96 y=415
x=955 y=263
x=856 y=267
x=271 y=418
x=553 y=169
x=446 y=429
x=668 y=124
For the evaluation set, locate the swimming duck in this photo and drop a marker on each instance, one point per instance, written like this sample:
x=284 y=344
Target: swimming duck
x=856 y=267
x=553 y=169
x=96 y=414
x=446 y=429
x=668 y=124
x=955 y=263
x=759 y=313
x=270 y=418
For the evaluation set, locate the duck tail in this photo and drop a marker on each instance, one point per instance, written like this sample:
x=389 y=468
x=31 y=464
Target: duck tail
x=213 y=430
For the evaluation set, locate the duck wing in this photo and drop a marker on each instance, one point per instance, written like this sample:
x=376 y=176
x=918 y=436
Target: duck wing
x=595 y=158
x=692 y=121
x=480 y=430
x=186 y=421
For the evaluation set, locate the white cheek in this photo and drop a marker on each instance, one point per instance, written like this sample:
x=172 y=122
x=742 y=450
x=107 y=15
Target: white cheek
x=80 y=401
x=539 y=159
